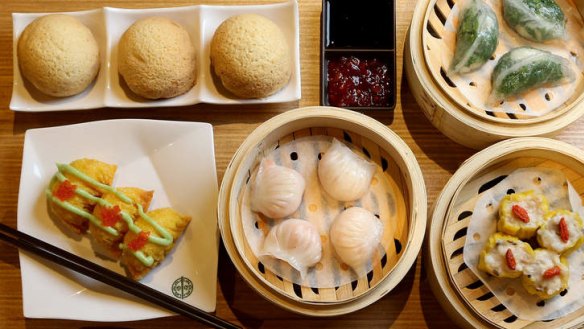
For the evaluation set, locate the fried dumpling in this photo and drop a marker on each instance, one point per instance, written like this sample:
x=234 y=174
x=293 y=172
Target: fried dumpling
x=355 y=235
x=144 y=248
x=296 y=242
x=343 y=174
x=72 y=193
x=118 y=204
x=277 y=190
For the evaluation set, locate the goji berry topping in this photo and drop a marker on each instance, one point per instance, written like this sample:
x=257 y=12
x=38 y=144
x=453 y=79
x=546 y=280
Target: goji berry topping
x=110 y=215
x=550 y=273
x=65 y=191
x=356 y=82
x=520 y=213
x=563 y=230
x=511 y=263
x=140 y=241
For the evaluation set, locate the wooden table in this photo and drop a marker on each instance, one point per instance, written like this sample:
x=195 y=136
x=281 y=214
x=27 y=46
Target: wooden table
x=411 y=304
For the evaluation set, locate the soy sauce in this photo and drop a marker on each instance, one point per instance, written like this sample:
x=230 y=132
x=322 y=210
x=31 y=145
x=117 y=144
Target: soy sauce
x=359 y=24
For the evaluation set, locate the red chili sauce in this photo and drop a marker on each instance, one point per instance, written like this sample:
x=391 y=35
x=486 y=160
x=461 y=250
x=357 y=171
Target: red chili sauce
x=355 y=82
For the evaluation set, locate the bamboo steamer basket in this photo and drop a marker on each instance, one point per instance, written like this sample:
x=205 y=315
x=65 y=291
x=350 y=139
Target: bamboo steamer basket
x=445 y=105
x=460 y=292
x=386 y=149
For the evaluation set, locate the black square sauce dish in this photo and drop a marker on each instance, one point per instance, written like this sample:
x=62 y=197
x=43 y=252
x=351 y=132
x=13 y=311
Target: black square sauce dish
x=358 y=54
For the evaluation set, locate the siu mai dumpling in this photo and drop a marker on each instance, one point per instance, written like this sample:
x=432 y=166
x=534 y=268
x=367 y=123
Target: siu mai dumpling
x=296 y=242
x=154 y=237
x=547 y=275
x=118 y=208
x=561 y=232
x=277 y=190
x=343 y=174
x=521 y=214
x=505 y=256
x=73 y=191
x=355 y=235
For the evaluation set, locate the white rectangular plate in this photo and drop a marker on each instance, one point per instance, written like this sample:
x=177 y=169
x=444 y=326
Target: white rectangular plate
x=201 y=21
x=174 y=159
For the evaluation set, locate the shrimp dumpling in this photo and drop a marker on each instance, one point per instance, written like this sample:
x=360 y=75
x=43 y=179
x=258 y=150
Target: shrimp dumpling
x=343 y=174
x=296 y=242
x=277 y=190
x=355 y=235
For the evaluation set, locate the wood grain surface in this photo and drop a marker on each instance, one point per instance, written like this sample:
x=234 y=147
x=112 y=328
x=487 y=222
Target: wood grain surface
x=411 y=304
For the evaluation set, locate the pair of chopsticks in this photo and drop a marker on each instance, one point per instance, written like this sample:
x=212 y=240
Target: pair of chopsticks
x=87 y=268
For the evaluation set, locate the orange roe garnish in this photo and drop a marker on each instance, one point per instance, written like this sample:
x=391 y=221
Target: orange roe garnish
x=65 y=191
x=110 y=215
x=520 y=213
x=140 y=241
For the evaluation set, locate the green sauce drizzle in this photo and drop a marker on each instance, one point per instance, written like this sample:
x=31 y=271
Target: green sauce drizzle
x=165 y=238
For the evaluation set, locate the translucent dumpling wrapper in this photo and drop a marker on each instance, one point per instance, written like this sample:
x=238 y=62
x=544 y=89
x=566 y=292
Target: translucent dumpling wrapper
x=277 y=190
x=476 y=37
x=296 y=242
x=535 y=20
x=343 y=174
x=355 y=235
x=524 y=69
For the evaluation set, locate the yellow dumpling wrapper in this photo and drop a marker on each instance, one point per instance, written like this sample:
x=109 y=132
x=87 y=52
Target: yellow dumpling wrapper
x=547 y=275
x=505 y=256
x=534 y=205
x=562 y=238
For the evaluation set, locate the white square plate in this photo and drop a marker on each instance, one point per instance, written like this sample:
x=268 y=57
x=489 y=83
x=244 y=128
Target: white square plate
x=174 y=159
x=201 y=21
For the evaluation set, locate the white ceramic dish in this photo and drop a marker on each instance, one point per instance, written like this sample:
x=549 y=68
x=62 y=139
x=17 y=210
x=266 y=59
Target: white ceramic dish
x=108 y=25
x=176 y=160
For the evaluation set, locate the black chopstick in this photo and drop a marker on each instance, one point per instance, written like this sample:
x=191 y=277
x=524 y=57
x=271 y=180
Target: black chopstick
x=59 y=256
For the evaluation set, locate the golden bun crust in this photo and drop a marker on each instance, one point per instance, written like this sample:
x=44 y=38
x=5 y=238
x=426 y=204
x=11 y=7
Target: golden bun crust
x=156 y=58
x=58 y=55
x=250 y=55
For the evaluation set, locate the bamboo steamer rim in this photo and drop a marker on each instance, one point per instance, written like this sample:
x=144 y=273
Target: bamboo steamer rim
x=480 y=114
x=417 y=200
x=440 y=282
x=415 y=59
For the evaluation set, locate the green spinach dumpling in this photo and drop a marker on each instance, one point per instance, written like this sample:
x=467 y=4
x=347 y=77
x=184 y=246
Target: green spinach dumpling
x=476 y=37
x=523 y=69
x=536 y=20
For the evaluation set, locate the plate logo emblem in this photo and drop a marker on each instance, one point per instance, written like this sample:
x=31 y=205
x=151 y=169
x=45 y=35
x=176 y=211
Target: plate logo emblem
x=182 y=287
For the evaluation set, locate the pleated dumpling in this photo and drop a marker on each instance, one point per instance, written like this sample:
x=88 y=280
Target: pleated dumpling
x=355 y=235
x=536 y=20
x=476 y=37
x=277 y=190
x=296 y=242
x=524 y=69
x=343 y=174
